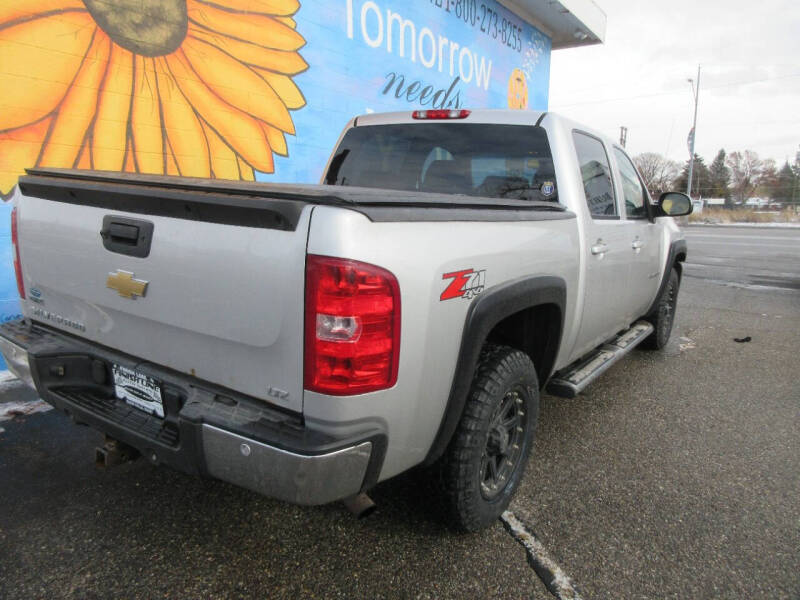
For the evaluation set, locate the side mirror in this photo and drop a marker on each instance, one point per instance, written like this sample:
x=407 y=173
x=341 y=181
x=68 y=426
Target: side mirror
x=674 y=204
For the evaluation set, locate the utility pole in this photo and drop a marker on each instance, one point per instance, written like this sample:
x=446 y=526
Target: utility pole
x=623 y=136
x=692 y=134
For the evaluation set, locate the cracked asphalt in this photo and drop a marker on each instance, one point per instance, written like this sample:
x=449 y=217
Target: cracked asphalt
x=675 y=475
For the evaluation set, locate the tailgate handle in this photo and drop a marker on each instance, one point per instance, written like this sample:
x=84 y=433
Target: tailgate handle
x=131 y=237
x=120 y=232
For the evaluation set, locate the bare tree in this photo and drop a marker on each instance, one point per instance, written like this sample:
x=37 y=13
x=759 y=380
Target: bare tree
x=745 y=169
x=767 y=184
x=657 y=171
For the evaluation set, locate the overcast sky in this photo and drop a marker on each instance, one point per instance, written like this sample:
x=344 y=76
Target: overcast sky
x=749 y=54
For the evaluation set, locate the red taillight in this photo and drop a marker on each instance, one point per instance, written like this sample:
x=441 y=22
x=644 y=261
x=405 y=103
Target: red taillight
x=15 y=244
x=352 y=337
x=440 y=114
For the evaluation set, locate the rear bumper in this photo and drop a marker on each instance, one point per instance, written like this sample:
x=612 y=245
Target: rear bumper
x=206 y=430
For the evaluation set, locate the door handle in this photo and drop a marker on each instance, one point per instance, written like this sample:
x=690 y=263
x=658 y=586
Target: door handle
x=637 y=244
x=599 y=248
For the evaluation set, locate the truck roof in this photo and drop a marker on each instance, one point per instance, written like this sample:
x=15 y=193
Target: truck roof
x=482 y=115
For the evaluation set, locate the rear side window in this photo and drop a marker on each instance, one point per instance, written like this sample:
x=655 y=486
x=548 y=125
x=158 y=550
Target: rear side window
x=596 y=176
x=474 y=159
x=632 y=189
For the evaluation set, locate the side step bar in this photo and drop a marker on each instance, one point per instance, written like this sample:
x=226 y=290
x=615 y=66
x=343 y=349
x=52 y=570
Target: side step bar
x=573 y=380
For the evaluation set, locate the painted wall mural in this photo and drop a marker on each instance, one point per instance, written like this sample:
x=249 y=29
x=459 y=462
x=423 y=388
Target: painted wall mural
x=238 y=89
x=182 y=87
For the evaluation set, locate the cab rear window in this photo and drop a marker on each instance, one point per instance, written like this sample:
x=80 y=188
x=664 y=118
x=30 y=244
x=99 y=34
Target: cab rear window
x=496 y=161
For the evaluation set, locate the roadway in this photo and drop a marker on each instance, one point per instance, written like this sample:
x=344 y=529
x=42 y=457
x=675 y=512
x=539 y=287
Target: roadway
x=674 y=476
x=757 y=257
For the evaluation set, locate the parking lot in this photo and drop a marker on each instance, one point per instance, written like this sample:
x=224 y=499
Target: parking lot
x=676 y=475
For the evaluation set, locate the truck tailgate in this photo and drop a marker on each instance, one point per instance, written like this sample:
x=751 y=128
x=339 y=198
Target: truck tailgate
x=224 y=295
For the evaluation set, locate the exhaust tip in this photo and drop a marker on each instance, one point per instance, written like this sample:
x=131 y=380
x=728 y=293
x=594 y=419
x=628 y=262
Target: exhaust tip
x=360 y=505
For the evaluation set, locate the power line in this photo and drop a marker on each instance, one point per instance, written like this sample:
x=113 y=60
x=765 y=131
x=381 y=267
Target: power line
x=670 y=93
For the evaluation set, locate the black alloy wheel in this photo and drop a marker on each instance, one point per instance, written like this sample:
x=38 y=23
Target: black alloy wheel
x=663 y=317
x=485 y=461
x=503 y=449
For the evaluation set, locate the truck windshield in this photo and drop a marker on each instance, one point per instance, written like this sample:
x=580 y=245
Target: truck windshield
x=474 y=159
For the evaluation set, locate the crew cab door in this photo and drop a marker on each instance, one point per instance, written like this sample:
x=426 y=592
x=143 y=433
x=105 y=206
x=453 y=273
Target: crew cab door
x=607 y=247
x=642 y=238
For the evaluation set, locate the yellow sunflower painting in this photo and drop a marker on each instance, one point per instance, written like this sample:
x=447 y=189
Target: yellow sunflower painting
x=198 y=88
x=517 y=90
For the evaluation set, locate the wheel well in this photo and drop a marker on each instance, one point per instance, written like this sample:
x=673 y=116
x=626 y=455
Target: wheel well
x=535 y=331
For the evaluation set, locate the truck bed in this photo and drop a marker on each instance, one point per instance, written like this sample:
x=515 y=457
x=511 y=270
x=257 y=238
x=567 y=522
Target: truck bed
x=270 y=205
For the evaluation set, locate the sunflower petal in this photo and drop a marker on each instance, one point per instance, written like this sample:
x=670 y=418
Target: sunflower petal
x=258 y=29
x=267 y=7
x=288 y=63
x=18 y=150
x=246 y=170
x=223 y=159
x=148 y=135
x=129 y=164
x=39 y=61
x=13 y=12
x=184 y=131
x=289 y=93
x=172 y=165
x=237 y=84
x=84 y=157
x=109 y=136
x=288 y=21
x=241 y=131
x=76 y=111
x=277 y=140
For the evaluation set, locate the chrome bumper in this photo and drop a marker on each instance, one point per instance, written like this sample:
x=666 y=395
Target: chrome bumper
x=312 y=476
x=17 y=360
x=296 y=478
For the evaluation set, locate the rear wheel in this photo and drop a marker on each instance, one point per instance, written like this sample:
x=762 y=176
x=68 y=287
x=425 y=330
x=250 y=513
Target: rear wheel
x=663 y=316
x=486 y=459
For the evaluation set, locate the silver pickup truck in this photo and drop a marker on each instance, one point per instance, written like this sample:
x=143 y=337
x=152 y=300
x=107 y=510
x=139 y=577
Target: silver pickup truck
x=310 y=341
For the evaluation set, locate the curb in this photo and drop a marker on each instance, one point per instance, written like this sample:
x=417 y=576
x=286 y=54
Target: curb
x=748 y=225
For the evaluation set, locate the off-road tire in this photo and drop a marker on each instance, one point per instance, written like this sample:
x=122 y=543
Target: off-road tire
x=502 y=374
x=663 y=316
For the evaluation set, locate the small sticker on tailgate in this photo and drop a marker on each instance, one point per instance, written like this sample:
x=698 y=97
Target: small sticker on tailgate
x=139 y=390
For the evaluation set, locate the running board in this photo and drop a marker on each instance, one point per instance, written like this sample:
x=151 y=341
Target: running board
x=573 y=380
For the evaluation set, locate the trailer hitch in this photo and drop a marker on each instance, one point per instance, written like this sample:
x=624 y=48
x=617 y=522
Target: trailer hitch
x=113 y=452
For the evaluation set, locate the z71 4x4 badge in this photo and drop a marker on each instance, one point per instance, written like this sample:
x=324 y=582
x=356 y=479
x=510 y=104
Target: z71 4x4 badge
x=465 y=284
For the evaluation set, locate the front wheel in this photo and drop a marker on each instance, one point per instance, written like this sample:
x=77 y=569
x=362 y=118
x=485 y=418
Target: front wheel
x=663 y=316
x=485 y=461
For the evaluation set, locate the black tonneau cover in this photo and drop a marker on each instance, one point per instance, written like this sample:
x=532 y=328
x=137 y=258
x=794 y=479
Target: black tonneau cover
x=243 y=202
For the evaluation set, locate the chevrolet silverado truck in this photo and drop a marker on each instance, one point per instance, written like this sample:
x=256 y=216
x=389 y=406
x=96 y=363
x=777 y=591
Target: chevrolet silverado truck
x=310 y=341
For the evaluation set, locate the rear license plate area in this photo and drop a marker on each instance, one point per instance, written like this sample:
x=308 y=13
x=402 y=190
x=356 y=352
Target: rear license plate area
x=138 y=390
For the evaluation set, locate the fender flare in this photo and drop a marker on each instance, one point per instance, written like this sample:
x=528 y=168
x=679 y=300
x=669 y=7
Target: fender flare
x=677 y=254
x=486 y=311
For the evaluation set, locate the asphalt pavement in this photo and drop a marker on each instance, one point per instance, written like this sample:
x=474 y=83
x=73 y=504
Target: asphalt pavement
x=676 y=475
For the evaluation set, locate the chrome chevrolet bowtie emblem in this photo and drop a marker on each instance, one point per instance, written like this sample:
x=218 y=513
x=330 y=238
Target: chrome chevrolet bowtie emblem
x=126 y=285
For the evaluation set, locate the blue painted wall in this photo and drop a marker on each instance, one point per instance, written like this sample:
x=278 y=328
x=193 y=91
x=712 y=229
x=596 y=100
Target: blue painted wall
x=354 y=53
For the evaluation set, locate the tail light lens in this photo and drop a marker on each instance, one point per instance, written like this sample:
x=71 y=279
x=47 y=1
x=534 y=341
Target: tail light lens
x=352 y=327
x=15 y=244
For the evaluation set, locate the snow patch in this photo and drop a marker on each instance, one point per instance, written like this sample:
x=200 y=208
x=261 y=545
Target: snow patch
x=546 y=568
x=9 y=410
